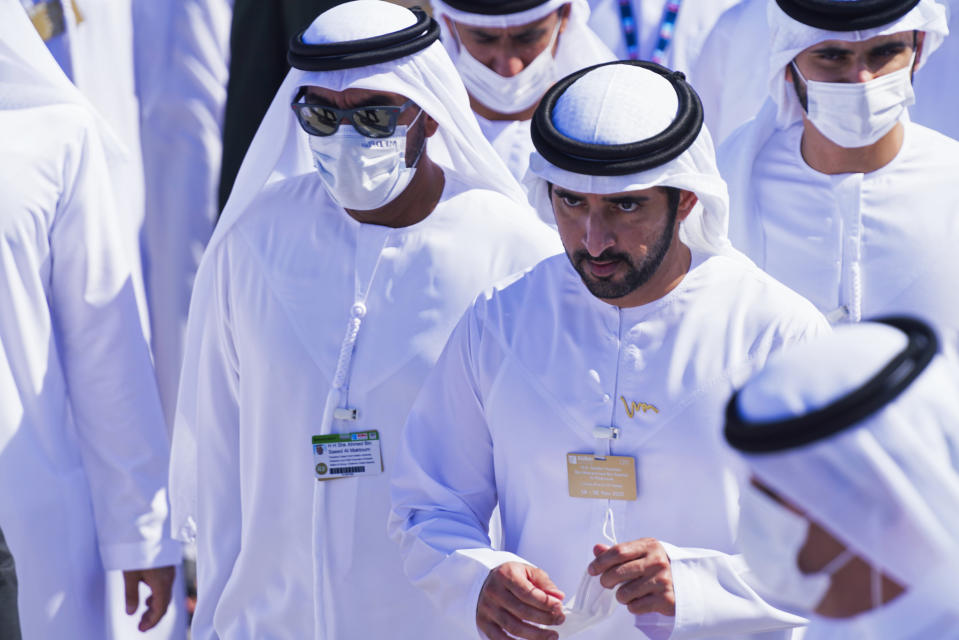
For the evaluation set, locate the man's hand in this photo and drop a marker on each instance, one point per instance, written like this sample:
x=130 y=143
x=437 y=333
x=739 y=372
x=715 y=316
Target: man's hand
x=160 y=581
x=515 y=594
x=642 y=568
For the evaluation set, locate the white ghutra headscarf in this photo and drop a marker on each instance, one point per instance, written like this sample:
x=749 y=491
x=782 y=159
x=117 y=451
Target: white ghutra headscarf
x=887 y=486
x=621 y=104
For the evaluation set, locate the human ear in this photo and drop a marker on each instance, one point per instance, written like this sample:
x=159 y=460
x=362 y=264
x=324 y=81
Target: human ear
x=687 y=200
x=920 y=41
x=452 y=29
x=429 y=125
x=564 y=17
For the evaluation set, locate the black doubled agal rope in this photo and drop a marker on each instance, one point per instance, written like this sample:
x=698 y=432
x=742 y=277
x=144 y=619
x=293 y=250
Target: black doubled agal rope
x=854 y=407
x=618 y=159
x=836 y=15
x=361 y=53
x=494 y=7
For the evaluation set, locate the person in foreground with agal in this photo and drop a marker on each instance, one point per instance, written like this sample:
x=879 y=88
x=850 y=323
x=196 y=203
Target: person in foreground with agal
x=852 y=515
x=325 y=296
x=583 y=399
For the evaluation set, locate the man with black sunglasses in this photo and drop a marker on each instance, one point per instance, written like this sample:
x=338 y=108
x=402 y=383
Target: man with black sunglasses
x=367 y=215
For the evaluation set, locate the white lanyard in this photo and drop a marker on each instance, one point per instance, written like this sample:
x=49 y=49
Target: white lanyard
x=345 y=359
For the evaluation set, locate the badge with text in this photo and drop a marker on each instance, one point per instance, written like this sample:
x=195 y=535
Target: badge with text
x=612 y=477
x=344 y=455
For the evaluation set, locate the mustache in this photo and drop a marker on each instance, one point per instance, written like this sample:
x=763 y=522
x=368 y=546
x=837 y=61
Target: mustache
x=581 y=255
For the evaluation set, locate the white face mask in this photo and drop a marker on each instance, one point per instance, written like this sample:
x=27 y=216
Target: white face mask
x=770 y=538
x=896 y=619
x=592 y=603
x=362 y=173
x=858 y=114
x=515 y=93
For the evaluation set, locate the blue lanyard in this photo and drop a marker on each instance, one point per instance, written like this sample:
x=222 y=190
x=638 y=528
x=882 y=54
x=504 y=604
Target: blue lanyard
x=667 y=28
x=629 y=29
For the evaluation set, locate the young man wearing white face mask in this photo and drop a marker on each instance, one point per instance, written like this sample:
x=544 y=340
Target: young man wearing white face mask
x=835 y=192
x=509 y=54
x=368 y=212
x=852 y=514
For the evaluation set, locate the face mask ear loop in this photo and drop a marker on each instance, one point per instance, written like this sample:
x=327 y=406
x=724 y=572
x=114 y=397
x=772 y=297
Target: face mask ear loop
x=837 y=563
x=422 y=146
x=609 y=526
x=875 y=579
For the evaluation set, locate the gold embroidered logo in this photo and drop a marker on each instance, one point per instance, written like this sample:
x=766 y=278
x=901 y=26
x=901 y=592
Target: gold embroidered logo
x=633 y=407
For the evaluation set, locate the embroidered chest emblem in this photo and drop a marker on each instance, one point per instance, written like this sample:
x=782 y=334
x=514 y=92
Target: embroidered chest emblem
x=632 y=408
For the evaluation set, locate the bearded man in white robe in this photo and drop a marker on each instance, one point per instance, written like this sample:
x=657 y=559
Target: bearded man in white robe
x=583 y=399
x=852 y=510
x=83 y=449
x=508 y=54
x=368 y=213
x=835 y=192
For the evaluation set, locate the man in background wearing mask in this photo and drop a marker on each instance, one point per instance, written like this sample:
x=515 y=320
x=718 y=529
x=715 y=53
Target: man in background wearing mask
x=509 y=54
x=584 y=399
x=835 y=192
x=852 y=516
x=325 y=296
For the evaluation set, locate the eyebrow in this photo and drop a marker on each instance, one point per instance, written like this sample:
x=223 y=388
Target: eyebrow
x=532 y=32
x=832 y=49
x=891 y=43
x=563 y=193
x=626 y=199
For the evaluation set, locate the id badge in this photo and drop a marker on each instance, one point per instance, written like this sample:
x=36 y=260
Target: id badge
x=608 y=478
x=346 y=455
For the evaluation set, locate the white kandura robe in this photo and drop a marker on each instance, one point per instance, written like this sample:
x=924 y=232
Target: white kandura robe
x=512 y=142
x=857 y=245
x=83 y=450
x=181 y=75
x=96 y=53
x=693 y=23
x=528 y=373
x=284 y=280
x=731 y=74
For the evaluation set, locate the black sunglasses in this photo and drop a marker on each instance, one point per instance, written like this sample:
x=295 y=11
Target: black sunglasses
x=372 y=122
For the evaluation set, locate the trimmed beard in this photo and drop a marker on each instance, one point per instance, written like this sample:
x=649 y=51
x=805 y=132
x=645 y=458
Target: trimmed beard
x=636 y=275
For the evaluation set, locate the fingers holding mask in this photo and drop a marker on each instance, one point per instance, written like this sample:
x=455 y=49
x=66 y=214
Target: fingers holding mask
x=516 y=597
x=642 y=570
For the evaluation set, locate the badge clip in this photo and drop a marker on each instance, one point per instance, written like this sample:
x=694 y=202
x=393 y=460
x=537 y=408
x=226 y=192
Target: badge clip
x=603 y=433
x=346 y=414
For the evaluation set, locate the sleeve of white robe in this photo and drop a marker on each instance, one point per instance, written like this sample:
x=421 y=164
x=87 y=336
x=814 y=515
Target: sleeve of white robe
x=714 y=598
x=443 y=497
x=112 y=390
x=211 y=411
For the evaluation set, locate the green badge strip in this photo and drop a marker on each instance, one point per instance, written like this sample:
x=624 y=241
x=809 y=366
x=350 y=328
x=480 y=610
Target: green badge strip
x=342 y=437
